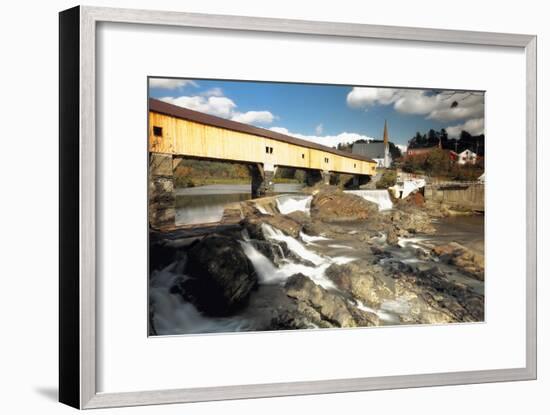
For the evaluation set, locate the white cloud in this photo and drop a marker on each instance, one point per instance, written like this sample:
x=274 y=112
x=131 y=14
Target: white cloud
x=167 y=83
x=215 y=104
x=360 y=97
x=444 y=106
x=213 y=92
x=416 y=102
x=474 y=126
x=327 y=140
x=219 y=106
x=319 y=129
x=254 y=117
x=467 y=106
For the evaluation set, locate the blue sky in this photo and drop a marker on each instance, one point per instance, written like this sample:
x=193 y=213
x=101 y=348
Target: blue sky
x=328 y=114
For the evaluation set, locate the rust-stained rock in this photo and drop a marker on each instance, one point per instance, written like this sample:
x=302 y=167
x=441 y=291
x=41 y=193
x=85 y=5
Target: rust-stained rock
x=284 y=223
x=335 y=205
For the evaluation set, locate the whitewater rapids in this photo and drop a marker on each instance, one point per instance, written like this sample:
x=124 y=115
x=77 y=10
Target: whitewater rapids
x=380 y=197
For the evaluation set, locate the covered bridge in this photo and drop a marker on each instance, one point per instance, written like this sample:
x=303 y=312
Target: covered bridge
x=176 y=132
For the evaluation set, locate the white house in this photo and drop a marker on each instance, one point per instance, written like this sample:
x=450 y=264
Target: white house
x=467 y=157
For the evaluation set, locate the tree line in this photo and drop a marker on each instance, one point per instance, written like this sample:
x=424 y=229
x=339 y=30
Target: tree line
x=465 y=141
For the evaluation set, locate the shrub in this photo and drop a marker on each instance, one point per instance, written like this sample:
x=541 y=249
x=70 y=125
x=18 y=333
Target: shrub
x=387 y=180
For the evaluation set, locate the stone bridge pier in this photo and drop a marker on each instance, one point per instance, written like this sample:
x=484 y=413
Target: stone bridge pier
x=262 y=179
x=162 y=197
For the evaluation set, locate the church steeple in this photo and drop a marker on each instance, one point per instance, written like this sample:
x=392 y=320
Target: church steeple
x=387 y=161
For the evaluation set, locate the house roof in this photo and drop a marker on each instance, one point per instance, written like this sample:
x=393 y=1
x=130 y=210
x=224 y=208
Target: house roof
x=165 y=108
x=371 y=150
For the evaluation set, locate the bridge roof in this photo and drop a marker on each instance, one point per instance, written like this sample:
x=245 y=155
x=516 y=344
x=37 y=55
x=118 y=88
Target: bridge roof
x=165 y=108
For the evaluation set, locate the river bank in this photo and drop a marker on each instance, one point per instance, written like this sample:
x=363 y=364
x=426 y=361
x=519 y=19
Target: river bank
x=320 y=260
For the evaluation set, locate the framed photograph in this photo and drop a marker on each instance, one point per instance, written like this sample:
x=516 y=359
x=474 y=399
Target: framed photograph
x=254 y=207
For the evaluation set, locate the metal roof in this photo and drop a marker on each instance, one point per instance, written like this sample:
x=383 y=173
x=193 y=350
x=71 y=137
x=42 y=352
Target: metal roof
x=165 y=108
x=373 y=150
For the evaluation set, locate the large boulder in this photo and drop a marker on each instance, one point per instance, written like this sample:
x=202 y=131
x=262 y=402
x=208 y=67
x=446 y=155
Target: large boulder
x=261 y=206
x=359 y=283
x=300 y=217
x=335 y=205
x=221 y=276
x=412 y=220
x=253 y=224
x=332 y=308
x=439 y=299
x=463 y=258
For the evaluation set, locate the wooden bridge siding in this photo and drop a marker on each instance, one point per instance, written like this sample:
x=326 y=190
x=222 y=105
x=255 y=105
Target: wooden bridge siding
x=188 y=138
x=284 y=154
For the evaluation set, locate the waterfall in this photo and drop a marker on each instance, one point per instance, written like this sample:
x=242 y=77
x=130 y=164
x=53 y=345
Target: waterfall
x=174 y=315
x=308 y=239
x=266 y=271
x=380 y=197
x=402 y=190
x=293 y=203
x=271 y=274
x=294 y=245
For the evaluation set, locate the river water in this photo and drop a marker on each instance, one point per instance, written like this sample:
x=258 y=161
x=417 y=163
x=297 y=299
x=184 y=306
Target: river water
x=312 y=254
x=205 y=204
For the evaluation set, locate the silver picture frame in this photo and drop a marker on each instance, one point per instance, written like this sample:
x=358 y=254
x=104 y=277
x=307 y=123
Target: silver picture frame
x=77 y=277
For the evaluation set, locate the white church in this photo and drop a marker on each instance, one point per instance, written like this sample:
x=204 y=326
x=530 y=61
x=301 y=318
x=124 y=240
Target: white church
x=379 y=152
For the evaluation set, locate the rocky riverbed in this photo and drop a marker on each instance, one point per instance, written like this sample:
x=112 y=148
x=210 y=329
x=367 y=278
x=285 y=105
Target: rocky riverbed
x=323 y=260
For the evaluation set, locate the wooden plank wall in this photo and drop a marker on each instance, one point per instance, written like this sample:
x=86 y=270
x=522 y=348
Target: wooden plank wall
x=188 y=138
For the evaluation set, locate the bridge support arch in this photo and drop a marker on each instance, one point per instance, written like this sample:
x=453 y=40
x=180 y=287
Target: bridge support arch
x=315 y=176
x=359 y=180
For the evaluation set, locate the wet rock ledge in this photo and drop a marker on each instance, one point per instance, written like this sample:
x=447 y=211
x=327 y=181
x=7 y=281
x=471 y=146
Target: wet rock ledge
x=219 y=279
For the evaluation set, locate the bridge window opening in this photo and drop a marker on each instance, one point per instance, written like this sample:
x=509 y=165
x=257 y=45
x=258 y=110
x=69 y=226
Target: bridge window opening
x=157 y=131
x=303 y=155
x=270 y=150
x=326 y=159
x=354 y=165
